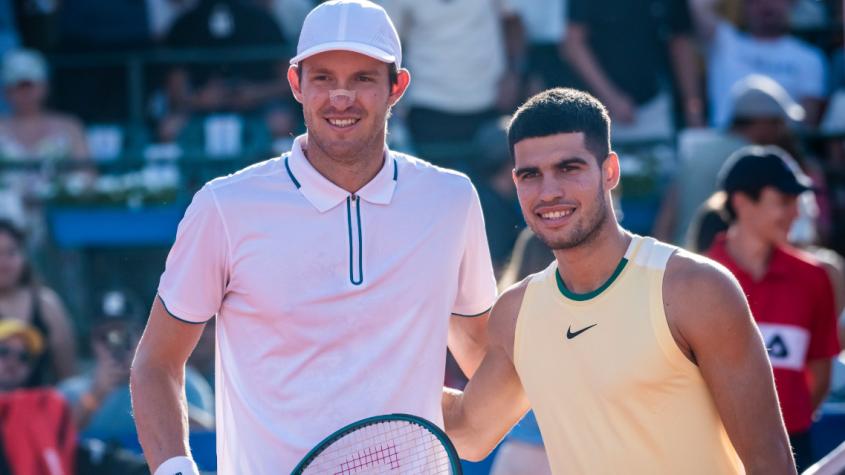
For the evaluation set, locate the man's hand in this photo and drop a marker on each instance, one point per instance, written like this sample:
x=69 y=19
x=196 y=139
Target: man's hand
x=621 y=107
x=108 y=375
x=508 y=95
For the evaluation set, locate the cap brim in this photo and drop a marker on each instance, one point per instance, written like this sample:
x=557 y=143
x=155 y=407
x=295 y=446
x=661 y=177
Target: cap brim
x=795 y=112
x=366 y=50
x=795 y=188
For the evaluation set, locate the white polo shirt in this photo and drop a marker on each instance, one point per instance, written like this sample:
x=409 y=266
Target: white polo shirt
x=330 y=307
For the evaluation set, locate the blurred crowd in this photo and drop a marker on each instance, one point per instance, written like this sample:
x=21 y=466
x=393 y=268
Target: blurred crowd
x=86 y=82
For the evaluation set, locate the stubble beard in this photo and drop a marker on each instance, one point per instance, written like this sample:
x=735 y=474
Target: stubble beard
x=580 y=235
x=372 y=143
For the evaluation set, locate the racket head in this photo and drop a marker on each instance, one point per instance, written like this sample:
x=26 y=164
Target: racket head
x=386 y=452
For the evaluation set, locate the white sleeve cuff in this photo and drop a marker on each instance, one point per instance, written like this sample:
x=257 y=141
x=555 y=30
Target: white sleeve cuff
x=180 y=465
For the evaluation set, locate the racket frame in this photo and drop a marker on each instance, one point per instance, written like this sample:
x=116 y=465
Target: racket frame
x=454 y=460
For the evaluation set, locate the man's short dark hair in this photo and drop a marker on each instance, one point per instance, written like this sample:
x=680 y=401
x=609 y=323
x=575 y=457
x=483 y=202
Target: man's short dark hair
x=563 y=111
x=392 y=73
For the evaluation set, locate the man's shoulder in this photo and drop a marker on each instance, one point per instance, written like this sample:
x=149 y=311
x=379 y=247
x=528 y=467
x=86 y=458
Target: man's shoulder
x=512 y=297
x=693 y=279
x=414 y=168
x=686 y=265
x=241 y=179
x=505 y=313
x=700 y=295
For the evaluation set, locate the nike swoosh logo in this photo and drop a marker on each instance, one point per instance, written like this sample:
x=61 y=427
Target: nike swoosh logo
x=570 y=334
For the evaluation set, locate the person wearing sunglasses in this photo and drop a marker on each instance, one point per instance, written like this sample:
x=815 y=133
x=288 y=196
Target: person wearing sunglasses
x=37 y=434
x=20 y=346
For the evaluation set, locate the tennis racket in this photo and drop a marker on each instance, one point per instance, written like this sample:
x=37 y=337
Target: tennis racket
x=391 y=444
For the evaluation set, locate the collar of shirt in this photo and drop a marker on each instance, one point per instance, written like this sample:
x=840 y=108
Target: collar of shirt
x=777 y=266
x=324 y=194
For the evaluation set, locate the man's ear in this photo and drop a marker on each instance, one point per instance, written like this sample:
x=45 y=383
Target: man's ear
x=403 y=79
x=293 y=79
x=611 y=173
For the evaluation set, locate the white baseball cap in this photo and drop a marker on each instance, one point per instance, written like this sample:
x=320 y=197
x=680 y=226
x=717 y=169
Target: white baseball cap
x=758 y=96
x=359 y=26
x=23 y=65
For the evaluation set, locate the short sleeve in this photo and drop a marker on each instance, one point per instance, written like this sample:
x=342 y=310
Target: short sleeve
x=476 y=282
x=196 y=272
x=824 y=341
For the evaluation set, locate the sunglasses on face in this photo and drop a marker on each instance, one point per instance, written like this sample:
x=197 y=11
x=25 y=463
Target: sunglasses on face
x=21 y=356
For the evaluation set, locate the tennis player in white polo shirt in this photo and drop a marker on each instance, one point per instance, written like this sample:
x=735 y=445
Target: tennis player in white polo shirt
x=333 y=271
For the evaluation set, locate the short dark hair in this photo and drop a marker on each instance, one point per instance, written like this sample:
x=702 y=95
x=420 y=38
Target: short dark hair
x=563 y=111
x=392 y=73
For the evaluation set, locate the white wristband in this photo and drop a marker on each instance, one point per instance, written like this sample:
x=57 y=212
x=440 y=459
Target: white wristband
x=180 y=465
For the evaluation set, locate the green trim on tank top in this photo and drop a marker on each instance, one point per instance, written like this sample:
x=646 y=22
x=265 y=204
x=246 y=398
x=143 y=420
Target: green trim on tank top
x=595 y=293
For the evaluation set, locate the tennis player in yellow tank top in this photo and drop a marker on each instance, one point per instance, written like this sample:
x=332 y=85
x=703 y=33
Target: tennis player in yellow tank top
x=636 y=357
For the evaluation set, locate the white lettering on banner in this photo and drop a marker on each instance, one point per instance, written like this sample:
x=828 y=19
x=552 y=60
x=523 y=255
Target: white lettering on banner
x=786 y=344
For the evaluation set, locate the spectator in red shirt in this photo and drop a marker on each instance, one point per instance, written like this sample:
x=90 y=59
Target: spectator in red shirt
x=789 y=292
x=36 y=429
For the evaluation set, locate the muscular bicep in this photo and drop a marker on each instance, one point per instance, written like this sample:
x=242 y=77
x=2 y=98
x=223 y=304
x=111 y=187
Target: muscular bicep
x=709 y=310
x=167 y=341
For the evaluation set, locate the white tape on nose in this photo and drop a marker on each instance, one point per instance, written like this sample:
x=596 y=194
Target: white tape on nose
x=341 y=97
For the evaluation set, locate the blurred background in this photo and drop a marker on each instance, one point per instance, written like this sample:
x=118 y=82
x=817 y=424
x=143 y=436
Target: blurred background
x=113 y=113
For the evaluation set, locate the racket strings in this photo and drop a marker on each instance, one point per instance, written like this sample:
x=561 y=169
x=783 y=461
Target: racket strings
x=387 y=447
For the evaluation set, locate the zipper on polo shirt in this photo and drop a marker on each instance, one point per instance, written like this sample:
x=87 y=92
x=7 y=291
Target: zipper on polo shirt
x=356 y=245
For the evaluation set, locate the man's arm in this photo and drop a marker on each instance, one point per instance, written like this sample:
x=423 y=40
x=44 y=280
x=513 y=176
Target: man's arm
x=710 y=319
x=705 y=17
x=468 y=341
x=819 y=370
x=577 y=51
x=514 y=34
x=688 y=75
x=157 y=383
x=667 y=215
x=494 y=400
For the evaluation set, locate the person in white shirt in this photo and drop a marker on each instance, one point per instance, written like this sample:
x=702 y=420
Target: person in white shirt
x=544 y=23
x=332 y=270
x=766 y=48
x=460 y=53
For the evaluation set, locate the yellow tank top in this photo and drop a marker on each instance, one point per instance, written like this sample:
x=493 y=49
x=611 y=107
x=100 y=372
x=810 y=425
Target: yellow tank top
x=611 y=390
